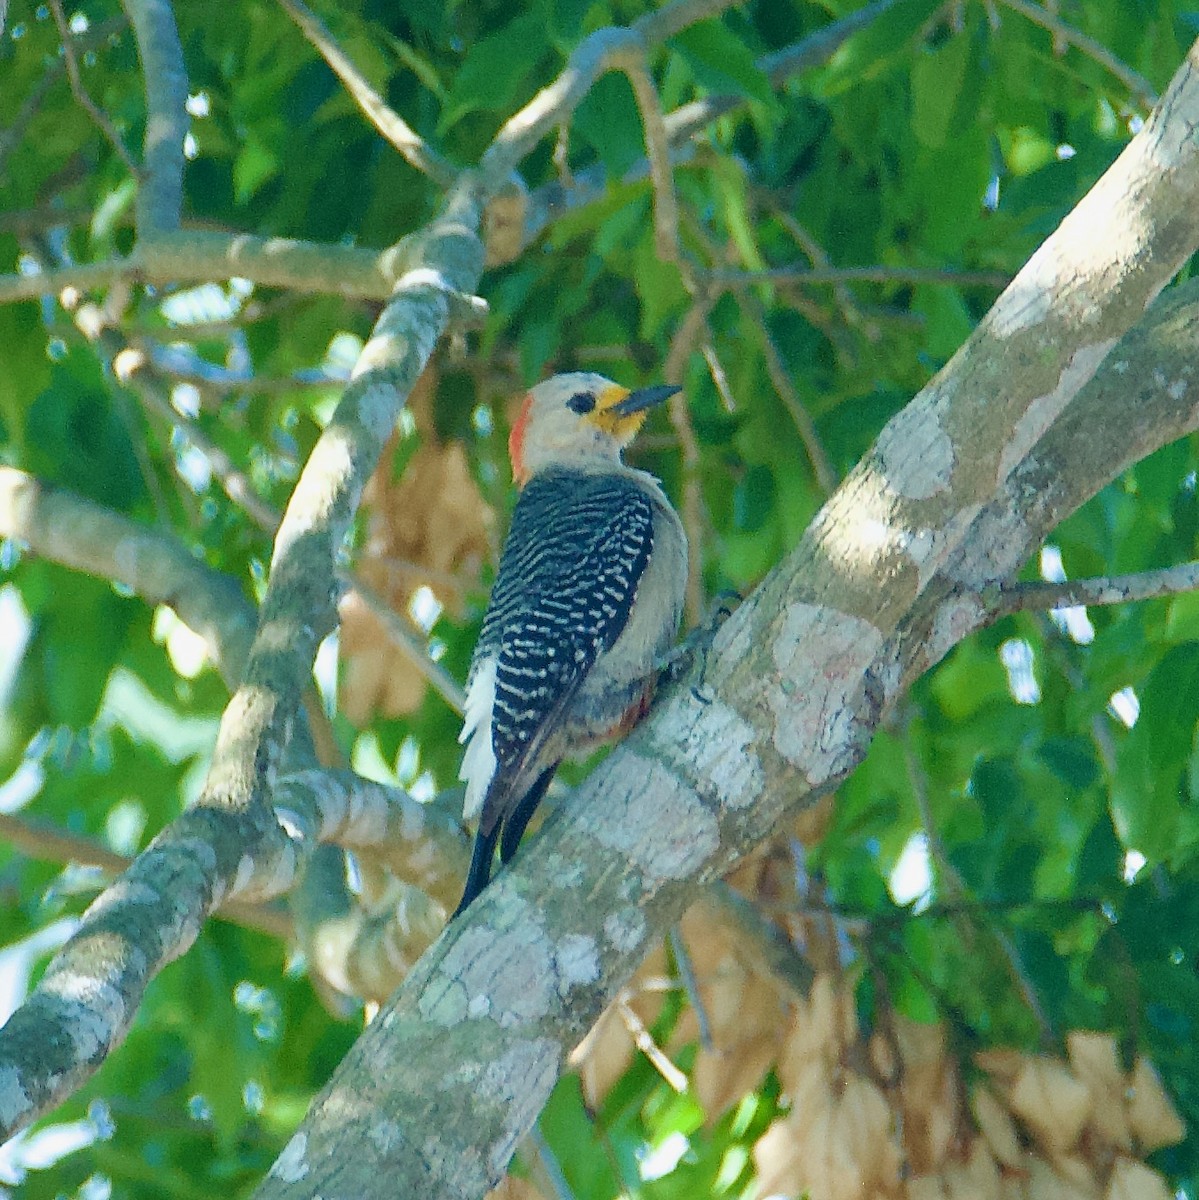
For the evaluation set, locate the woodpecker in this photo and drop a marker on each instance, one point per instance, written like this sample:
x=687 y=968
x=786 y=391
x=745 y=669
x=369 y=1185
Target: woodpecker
x=587 y=599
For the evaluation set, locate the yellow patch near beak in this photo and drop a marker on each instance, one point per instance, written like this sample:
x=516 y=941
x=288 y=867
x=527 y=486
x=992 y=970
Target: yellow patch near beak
x=623 y=427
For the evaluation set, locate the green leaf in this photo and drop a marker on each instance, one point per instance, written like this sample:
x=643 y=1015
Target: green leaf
x=609 y=123
x=937 y=80
x=254 y=165
x=659 y=288
x=494 y=69
x=722 y=62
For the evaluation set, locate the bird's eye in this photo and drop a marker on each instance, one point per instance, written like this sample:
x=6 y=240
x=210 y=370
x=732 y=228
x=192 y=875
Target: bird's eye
x=581 y=402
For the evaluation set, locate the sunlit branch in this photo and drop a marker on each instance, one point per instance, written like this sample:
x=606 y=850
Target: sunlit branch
x=67 y=529
x=1008 y=598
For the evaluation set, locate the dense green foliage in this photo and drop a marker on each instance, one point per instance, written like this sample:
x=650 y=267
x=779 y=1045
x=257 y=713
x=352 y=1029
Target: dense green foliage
x=949 y=138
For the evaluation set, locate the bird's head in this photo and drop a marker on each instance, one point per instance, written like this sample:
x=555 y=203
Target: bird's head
x=575 y=420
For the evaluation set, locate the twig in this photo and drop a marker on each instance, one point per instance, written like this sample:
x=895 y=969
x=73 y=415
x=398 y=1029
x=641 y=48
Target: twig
x=819 y=259
x=817 y=48
x=1137 y=84
x=97 y=114
x=185 y=365
x=800 y=275
x=955 y=885
x=54 y=845
x=14 y=135
x=133 y=369
x=657 y=147
x=590 y=59
x=547 y=1165
x=1114 y=589
x=826 y=477
x=160 y=192
x=682 y=961
x=692 y=515
x=415 y=151
x=717 y=373
x=553 y=200
x=446 y=686
x=644 y=1041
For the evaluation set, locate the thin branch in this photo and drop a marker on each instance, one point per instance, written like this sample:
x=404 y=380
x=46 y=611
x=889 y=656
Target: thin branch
x=98 y=115
x=415 y=151
x=812 y=51
x=826 y=477
x=545 y=1163
x=67 y=529
x=551 y=201
x=850 y=311
x=132 y=368
x=198 y=257
x=674 y=369
x=716 y=372
x=591 y=58
x=183 y=364
x=1137 y=84
x=446 y=686
x=801 y=275
x=686 y=969
x=1008 y=598
x=661 y=23
x=661 y=173
x=759 y=942
x=14 y=135
x=53 y=845
x=644 y=1041
x=160 y=193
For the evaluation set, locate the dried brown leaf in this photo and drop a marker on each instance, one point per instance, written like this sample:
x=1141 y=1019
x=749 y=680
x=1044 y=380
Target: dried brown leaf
x=1095 y=1059
x=997 y=1126
x=975 y=1178
x=1051 y=1102
x=1132 y=1180
x=1151 y=1115
x=721 y=1079
x=865 y=1124
x=1044 y=1183
x=514 y=1188
x=776 y=1161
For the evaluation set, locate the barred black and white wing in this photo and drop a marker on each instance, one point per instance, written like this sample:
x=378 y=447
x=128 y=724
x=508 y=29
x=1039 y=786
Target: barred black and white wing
x=575 y=554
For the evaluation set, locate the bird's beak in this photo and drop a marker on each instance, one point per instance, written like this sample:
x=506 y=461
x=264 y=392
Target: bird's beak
x=643 y=398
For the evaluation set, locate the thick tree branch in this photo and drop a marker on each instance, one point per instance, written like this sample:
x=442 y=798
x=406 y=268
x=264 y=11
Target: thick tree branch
x=441 y=1087
x=230 y=843
x=1146 y=396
